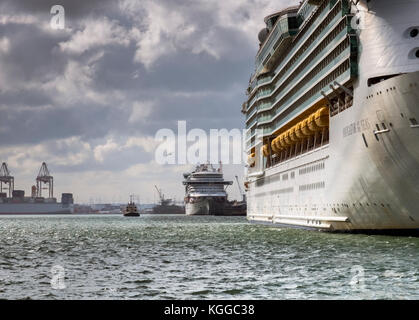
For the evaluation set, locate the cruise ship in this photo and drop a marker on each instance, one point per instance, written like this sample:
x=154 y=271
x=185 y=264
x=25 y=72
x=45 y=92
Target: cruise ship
x=206 y=194
x=332 y=115
x=15 y=202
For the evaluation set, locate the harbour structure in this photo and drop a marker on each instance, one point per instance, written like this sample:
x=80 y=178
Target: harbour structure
x=205 y=192
x=14 y=201
x=332 y=115
x=166 y=206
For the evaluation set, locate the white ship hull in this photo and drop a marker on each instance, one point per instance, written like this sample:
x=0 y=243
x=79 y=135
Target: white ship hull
x=355 y=183
x=35 y=208
x=197 y=209
x=347 y=185
x=206 y=206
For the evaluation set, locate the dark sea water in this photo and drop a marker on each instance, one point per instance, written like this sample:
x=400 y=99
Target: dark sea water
x=180 y=257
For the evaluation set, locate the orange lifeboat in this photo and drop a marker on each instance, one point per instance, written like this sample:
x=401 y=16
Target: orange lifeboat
x=322 y=117
x=273 y=146
x=265 y=150
x=251 y=159
x=287 y=138
x=305 y=129
x=298 y=131
x=293 y=135
x=312 y=123
x=278 y=143
x=282 y=140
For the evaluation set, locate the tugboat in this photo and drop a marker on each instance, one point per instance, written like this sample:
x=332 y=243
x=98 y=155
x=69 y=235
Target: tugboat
x=131 y=209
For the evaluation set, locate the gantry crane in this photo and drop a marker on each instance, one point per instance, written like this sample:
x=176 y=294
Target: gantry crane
x=6 y=178
x=163 y=201
x=44 y=177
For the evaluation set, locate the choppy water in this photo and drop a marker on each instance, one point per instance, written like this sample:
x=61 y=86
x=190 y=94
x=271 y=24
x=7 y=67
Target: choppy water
x=179 y=257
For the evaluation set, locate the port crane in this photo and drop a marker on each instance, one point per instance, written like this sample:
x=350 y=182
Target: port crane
x=45 y=178
x=163 y=201
x=240 y=190
x=7 y=179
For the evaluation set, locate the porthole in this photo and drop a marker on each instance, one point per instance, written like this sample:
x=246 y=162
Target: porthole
x=412 y=32
x=414 y=53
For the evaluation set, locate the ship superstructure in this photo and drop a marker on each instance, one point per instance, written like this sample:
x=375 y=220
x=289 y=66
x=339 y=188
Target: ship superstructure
x=332 y=117
x=205 y=192
x=15 y=202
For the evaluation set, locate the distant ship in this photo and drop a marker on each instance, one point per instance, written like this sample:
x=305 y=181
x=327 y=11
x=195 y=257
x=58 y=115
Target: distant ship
x=15 y=202
x=166 y=206
x=131 y=209
x=206 y=194
x=332 y=117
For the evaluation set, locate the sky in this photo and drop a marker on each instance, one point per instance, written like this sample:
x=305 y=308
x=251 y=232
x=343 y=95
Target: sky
x=88 y=99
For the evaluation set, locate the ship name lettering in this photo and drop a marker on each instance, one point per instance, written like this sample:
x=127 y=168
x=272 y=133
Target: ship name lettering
x=355 y=127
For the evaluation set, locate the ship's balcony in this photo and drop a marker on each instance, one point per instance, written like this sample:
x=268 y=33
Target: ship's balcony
x=341 y=75
x=256 y=83
x=286 y=99
x=261 y=94
x=252 y=123
x=309 y=25
x=276 y=41
x=329 y=38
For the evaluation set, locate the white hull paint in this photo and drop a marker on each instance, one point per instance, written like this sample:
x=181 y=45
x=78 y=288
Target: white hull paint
x=350 y=184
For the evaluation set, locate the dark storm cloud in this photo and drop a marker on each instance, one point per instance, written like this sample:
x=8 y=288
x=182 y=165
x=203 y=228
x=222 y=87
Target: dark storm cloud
x=33 y=52
x=73 y=8
x=68 y=96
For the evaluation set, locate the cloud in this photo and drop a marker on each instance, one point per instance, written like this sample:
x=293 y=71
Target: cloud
x=94 y=34
x=89 y=99
x=166 y=30
x=4 y=45
x=140 y=111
